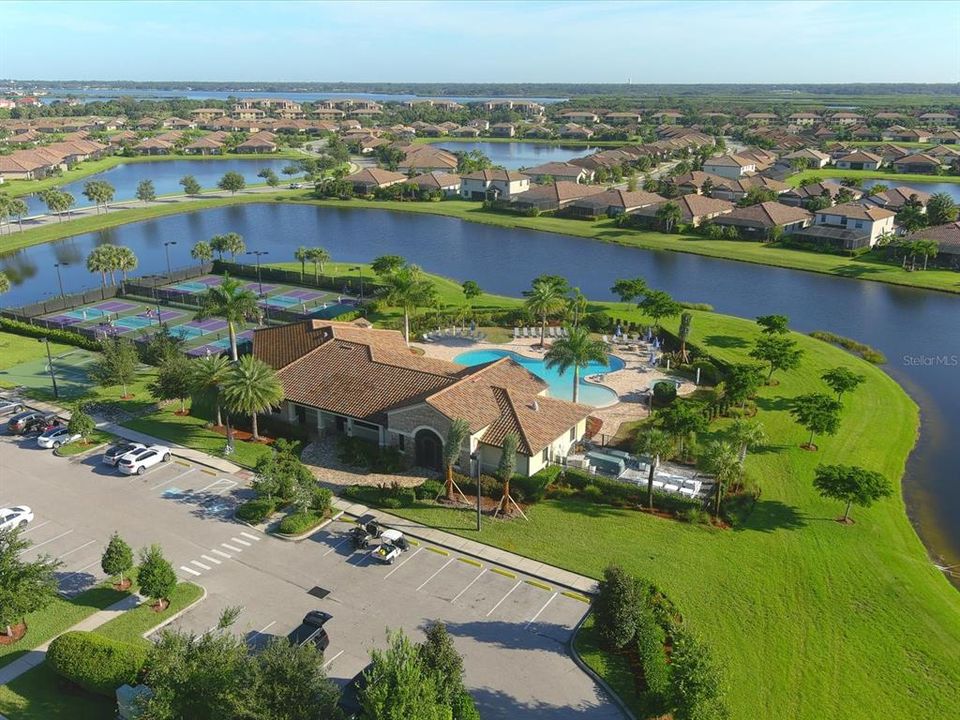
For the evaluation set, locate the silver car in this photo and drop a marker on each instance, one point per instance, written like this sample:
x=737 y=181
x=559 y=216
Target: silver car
x=11 y=405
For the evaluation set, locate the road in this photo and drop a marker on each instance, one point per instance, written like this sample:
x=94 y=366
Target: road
x=512 y=632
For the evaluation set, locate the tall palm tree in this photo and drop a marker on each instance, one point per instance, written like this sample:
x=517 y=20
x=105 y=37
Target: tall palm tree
x=218 y=245
x=657 y=444
x=251 y=386
x=98 y=261
x=406 y=288
x=4 y=283
x=233 y=243
x=577 y=305
x=201 y=252
x=231 y=302
x=208 y=374
x=546 y=297
x=746 y=435
x=575 y=351
x=17 y=208
x=125 y=260
x=668 y=215
x=301 y=255
x=721 y=460
x=458 y=432
x=318 y=256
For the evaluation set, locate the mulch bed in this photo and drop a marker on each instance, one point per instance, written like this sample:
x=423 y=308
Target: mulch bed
x=243 y=435
x=125 y=585
x=159 y=607
x=18 y=632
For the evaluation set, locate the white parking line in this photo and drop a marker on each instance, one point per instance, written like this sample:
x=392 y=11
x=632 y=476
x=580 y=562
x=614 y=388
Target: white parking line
x=504 y=597
x=230 y=547
x=47 y=542
x=173 y=479
x=189 y=570
x=328 y=662
x=262 y=630
x=241 y=542
x=541 y=610
x=221 y=553
x=457 y=597
x=335 y=546
x=213 y=560
x=436 y=573
x=35 y=527
x=70 y=552
x=252 y=537
x=403 y=563
x=199 y=564
x=230 y=484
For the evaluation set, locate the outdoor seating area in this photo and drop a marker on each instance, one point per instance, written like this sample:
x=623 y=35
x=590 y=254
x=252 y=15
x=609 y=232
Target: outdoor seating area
x=471 y=334
x=550 y=332
x=635 y=469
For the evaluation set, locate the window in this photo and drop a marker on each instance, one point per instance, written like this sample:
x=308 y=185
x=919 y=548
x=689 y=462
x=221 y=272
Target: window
x=402 y=442
x=859 y=224
x=573 y=433
x=546 y=454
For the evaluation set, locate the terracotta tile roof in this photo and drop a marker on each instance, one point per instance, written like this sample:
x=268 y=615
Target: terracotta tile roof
x=375 y=176
x=555 y=169
x=919 y=158
x=898 y=196
x=436 y=180
x=622 y=199
x=495 y=174
x=861 y=156
x=729 y=161
x=768 y=214
x=559 y=191
x=856 y=211
x=947 y=236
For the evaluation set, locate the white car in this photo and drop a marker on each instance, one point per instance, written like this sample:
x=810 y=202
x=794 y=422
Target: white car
x=15 y=517
x=138 y=461
x=55 y=437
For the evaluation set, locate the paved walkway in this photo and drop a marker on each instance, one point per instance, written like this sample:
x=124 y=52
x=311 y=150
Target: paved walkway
x=36 y=656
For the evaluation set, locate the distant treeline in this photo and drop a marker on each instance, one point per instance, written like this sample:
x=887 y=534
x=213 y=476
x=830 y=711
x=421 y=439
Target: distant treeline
x=543 y=90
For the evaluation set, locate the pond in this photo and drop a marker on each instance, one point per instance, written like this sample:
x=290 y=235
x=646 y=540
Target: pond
x=166 y=175
x=932 y=187
x=514 y=155
x=917 y=330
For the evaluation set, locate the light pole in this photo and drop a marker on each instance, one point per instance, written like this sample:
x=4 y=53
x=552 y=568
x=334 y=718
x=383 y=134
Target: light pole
x=258 y=253
x=475 y=458
x=166 y=249
x=359 y=269
x=53 y=376
x=59 y=278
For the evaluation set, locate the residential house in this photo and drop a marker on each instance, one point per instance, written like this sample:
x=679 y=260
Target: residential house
x=694 y=182
x=446 y=183
x=580 y=116
x=852 y=225
x=154 y=146
x=729 y=166
x=426 y=158
x=846 y=118
x=503 y=130
x=611 y=203
x=25 y=165
x=559 y=171
x=760 y=118
x=175 y=123
x=572 y=131
x=493 y=184
x=623 y=118
x=736 y=190
x=368 y=144
x=694 y=210
x=667 y=117
x=801 y=196
x=947 y=238
x=895 y=198
x=920 y=163
x=859 y=160
x=888 y=116
x=262 y=142
x=251 y=113
x=465 y=131
x=554 y=196
x=206 y=145
x=764 y=220
x=898 y=133
x=329 y=114
x=367 y=180
x=346 y=379
x=937 y=118
x=202 y=115
x=805 y=119
x=815 y=159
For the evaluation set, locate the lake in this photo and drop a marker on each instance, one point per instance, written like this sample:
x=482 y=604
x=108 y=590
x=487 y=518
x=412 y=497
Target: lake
x=932 y=187
x=166 y=176
x=514 y=155
x=917 y=330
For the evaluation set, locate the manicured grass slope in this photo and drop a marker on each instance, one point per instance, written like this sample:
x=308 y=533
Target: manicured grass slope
x=893 y=177
x=810 y=619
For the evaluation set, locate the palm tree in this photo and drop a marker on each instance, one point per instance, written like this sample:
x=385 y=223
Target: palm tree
x=17 y=208
x=125 y=260
x=668 y=215
x=577 y=304
x=208 y=375
x=575 y=351
x=318 y=256
x=546 y=297
x=746 y=435
x=233 y=243
x=4 y=283
x=251 y=386
x=458 y=432
x=302 y=254
x=683 y=333
x=657 y=444
x=201 y=252
x=218 y=245
x=406 y=288
x=99 y=261
x=230 y=302
x=721 y=460
x=927 y=249
x=505 y=469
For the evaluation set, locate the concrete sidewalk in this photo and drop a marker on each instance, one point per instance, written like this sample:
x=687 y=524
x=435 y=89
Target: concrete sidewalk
x=36 y=656
x=533 y=568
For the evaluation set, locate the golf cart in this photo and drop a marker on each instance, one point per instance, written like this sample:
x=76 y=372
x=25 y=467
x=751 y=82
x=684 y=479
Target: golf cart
x=366 y=529
x=392 y=543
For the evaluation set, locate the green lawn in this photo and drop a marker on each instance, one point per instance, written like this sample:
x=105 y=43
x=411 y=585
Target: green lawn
x=17 y=349
x=58 y=617
x=810 y=619
x=833 y=172
x=863 y=268
x=534 y=141
x=192 y=432
x=131 y=626
x=96 y=439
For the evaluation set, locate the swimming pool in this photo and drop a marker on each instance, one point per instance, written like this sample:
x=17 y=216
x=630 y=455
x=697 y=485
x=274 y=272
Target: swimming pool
x=561 y=386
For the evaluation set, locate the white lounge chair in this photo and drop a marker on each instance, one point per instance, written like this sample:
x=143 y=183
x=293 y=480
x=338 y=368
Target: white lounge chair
x=605 y=339
x=526 y=332
x=516 y=333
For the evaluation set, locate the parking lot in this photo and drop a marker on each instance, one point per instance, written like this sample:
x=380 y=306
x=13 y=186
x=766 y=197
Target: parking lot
x=513 y=630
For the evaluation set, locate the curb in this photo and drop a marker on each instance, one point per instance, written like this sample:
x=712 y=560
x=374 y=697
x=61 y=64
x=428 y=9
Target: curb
x=306 y=534
x=177 y=614
x=571 y=647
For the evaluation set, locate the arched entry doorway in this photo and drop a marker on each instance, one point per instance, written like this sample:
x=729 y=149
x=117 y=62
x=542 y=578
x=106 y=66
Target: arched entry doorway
x=428 y=449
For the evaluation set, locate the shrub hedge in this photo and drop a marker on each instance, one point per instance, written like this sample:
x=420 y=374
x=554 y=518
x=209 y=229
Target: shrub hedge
x=61 y=336
x=256 y=511
x=96 y=663
x=300 y=522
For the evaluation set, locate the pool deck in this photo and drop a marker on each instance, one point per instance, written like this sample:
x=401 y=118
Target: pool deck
x=629 y=383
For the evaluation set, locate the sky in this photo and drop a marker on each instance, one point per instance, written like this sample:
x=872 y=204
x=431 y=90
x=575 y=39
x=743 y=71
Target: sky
x=789 y=41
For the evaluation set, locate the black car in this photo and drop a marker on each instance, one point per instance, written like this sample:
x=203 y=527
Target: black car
x=115 y=452
x=311 y=630
x=31 y=421
x=350 y=694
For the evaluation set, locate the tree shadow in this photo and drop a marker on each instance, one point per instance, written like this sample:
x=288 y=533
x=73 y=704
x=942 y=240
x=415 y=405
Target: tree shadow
x=773 y=403
x=856 y=271
x=492 y=702
x=74 y=583
x=771 y=515
x=542 y=636
x=725 y=341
